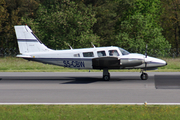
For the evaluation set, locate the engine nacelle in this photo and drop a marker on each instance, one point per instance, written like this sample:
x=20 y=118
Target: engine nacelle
x=115 y=63
x=130 y=62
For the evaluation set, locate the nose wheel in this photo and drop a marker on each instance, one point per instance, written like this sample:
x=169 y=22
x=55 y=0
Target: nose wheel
x=144 y=76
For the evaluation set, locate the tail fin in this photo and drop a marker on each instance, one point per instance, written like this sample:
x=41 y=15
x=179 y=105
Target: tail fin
x=27 y=41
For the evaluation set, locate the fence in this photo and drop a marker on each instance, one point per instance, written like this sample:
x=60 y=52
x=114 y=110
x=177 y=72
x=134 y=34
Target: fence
x=173 y=52
x=4 y=52
x=8 y=52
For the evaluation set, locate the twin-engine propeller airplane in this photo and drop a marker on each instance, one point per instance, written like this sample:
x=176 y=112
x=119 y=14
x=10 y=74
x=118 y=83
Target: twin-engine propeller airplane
x=105 y=58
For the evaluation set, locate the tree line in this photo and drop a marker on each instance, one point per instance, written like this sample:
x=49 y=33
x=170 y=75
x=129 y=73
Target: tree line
x=130 y=24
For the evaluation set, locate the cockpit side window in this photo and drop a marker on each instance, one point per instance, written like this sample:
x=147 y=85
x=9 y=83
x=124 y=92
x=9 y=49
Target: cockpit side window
x=113 y=53
x=101 y=53
x=124 y=52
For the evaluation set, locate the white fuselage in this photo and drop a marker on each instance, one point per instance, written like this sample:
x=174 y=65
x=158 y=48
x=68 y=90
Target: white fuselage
x=82 y=58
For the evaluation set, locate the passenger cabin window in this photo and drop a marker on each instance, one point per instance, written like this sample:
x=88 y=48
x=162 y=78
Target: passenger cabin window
x=88 y=54
x=101 y=53
x=77 y=55
x=113 y=53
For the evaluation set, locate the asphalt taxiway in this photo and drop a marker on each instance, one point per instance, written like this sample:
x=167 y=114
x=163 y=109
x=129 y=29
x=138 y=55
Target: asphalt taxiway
x=88 y=87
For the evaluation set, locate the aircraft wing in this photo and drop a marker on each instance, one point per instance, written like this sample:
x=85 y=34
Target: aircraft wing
x=106 y=62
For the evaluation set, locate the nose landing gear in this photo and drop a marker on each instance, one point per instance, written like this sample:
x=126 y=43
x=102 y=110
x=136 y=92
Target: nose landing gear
x=144 y=76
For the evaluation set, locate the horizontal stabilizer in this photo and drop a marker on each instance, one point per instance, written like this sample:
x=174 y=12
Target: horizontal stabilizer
x=23 y=56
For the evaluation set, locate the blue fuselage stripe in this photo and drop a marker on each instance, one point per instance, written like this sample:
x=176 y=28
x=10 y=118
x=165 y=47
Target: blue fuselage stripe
x=27 y=40
x=66 y=62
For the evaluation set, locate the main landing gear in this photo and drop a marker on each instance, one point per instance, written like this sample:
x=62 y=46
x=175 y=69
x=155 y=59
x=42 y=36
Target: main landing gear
x=144 y=76
x=106 y=75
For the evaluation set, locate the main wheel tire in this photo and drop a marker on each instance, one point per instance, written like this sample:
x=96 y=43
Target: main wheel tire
x=144 y=76
x=106 y=77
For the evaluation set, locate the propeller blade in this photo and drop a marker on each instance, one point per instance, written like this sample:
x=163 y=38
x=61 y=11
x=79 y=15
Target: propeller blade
x=146 y=51
x=145 y=57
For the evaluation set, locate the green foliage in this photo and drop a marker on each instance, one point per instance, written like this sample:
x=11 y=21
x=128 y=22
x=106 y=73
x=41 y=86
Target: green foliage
x=106 y=21
x=65 y=23
x=170 y=22
x=4 y=16
x=103 y=22
x=11 y=12
x=147 y=8
x=138 y=31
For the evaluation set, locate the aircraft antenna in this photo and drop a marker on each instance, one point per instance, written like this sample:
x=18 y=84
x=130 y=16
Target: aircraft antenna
x=93 y=45
x=70 y=46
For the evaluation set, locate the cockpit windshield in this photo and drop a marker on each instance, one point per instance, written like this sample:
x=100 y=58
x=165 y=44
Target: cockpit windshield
x=124 y=52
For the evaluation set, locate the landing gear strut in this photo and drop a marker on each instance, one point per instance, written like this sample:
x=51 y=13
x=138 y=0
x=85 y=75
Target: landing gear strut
x=144 y=76
x=106 y=75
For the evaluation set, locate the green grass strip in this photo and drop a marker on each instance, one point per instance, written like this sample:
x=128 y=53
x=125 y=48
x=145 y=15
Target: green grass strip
x=89 y=112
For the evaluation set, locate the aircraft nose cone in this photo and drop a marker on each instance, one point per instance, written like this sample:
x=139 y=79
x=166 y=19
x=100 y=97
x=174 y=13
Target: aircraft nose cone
x=155 y=62
x=162 y=62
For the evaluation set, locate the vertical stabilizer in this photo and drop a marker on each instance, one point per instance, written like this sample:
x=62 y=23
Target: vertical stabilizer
x=27 y=41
